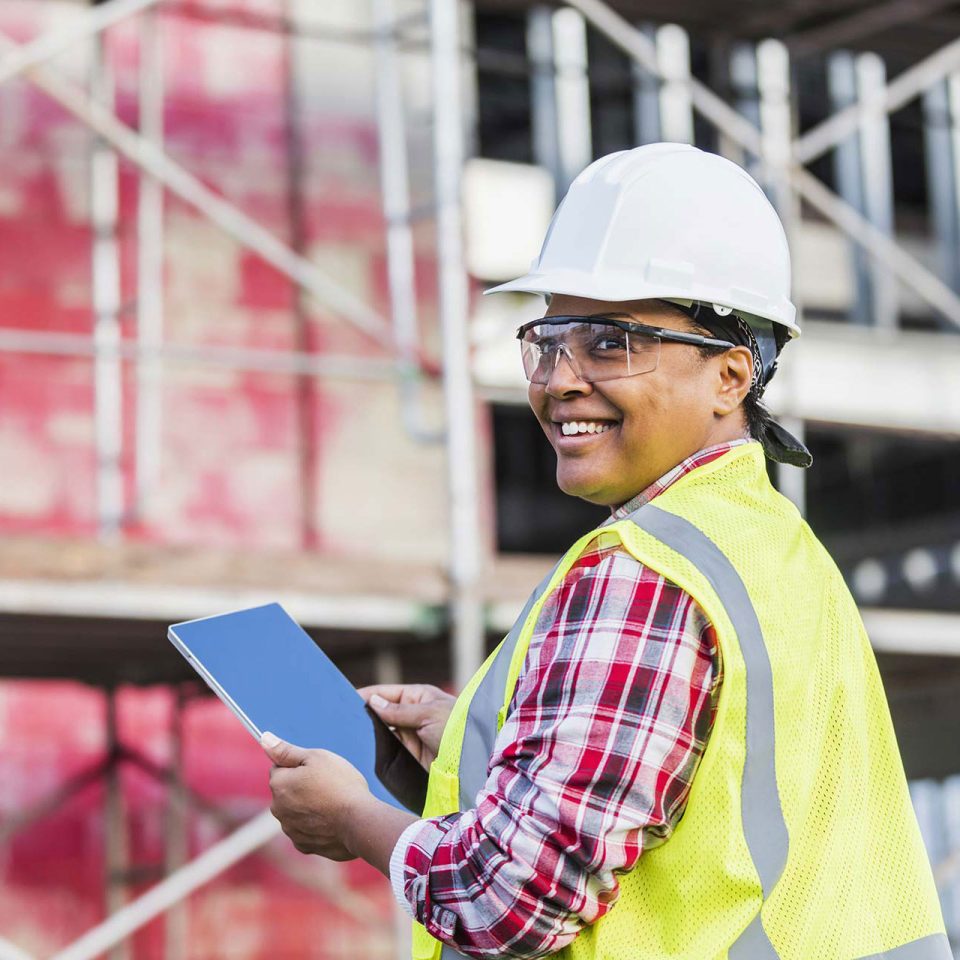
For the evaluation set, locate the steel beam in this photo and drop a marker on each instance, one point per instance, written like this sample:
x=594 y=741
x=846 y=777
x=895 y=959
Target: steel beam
x=909 y=84
x=625 y=36
x=148 y=157
x=621 y=33
x=877 y=166
x=745 y=90
x=863 y=23
x=886 y=250
x=847 y=166
x=941 y=108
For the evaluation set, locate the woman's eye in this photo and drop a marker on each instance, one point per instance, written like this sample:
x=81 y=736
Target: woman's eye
x=607 y=343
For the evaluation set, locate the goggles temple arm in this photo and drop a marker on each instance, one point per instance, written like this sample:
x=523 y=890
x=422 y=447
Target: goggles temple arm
x=629 y=326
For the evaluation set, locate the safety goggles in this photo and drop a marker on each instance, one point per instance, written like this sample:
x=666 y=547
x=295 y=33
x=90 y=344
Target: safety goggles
x=599 y=347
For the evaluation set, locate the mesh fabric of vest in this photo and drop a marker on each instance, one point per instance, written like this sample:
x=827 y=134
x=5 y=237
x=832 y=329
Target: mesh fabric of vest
x=857 y=880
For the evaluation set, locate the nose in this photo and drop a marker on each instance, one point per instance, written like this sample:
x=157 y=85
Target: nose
x=564 y=381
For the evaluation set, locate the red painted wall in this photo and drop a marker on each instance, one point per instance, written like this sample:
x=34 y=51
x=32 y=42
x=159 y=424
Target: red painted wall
x=230 y=467
x=52 y=872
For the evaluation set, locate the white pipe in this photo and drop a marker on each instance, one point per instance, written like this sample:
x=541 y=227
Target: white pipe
x=105 y=283
x=149 y=411
x=877 y=173
x=544 y=125
x=395 y=194
x=116 y=846
x=464 y=549
x=233 y=358
x=210 y=864
x=87 y=24
x=150 y=158
x=676 y=107
x=572 y=94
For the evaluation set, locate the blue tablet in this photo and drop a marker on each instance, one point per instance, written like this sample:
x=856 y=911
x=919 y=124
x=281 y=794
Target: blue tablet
x=273 y=676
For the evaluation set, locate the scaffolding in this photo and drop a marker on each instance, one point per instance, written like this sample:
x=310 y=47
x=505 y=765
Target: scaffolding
x=665 y=89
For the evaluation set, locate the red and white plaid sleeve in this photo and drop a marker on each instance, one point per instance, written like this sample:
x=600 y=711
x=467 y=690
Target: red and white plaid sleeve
x=593 y=766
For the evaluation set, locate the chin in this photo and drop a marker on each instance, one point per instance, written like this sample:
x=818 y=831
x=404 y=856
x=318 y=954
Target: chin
x=584 y=488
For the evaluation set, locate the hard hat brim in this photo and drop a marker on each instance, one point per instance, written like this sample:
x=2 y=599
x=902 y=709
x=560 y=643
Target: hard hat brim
x=576 y=283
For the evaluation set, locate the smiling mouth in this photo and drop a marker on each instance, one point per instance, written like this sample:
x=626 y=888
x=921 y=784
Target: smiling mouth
x=583 y=428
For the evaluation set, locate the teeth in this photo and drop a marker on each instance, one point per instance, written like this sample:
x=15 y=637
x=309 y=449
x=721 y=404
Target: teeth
x=583 y=426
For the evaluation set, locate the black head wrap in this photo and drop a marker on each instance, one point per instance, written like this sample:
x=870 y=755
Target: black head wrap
x=765 y=340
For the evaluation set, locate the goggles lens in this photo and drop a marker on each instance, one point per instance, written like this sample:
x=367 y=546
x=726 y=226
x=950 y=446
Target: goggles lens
x=595 y=350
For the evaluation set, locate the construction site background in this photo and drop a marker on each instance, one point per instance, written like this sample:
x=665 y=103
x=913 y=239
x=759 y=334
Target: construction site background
x=224 y=477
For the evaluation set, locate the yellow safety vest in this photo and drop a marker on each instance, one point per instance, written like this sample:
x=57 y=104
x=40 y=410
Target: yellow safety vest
x=798 y=841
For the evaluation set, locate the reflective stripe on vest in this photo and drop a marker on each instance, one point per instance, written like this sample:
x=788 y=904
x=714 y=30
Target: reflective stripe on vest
x=481 y=730
x=763 y=824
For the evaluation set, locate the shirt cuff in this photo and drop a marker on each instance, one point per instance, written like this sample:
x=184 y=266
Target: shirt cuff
x=397 y=861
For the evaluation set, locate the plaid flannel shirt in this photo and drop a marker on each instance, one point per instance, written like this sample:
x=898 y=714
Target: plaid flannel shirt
x=592 y=767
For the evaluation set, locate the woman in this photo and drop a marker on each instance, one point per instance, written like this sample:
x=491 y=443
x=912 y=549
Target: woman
x=682 y=749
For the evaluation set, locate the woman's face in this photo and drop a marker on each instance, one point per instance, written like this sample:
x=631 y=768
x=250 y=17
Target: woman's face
x=653 y=420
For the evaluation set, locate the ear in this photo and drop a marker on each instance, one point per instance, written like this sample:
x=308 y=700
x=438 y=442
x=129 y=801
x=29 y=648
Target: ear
x=734 y=376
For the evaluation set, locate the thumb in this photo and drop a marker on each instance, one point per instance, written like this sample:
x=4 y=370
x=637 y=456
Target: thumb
x=403 y=715
x=283 y=754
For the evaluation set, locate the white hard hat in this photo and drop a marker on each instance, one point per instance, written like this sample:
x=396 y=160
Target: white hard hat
x=667 y=221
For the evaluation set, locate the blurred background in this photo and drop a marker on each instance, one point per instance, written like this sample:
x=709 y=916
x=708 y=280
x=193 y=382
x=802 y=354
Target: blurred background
x=243 y=358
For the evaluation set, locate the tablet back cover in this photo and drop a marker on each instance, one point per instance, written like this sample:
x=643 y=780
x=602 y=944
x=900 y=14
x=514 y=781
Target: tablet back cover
x=283 y=682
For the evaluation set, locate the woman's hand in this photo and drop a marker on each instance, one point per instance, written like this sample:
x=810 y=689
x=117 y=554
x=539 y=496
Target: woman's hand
x=313 y=793
x=417 y=712
x=324 y=806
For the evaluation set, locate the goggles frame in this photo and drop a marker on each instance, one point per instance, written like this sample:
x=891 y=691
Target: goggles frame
x=629 y=326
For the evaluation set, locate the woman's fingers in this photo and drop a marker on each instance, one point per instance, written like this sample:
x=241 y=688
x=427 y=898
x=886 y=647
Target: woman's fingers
x=417 y=712
x=409 y=716
x=388 y=691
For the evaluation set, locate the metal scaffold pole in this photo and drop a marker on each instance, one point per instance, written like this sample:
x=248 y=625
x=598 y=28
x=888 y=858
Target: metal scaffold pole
x=398 y=219
x=307 y=394
x=108 y=373
x=149 y=413
x=177 y=834
x=204 y=868
x=464 y=562
x=116 y=852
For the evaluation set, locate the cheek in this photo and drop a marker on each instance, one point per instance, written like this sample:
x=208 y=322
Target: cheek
x=537 y=399
x=657 y=408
